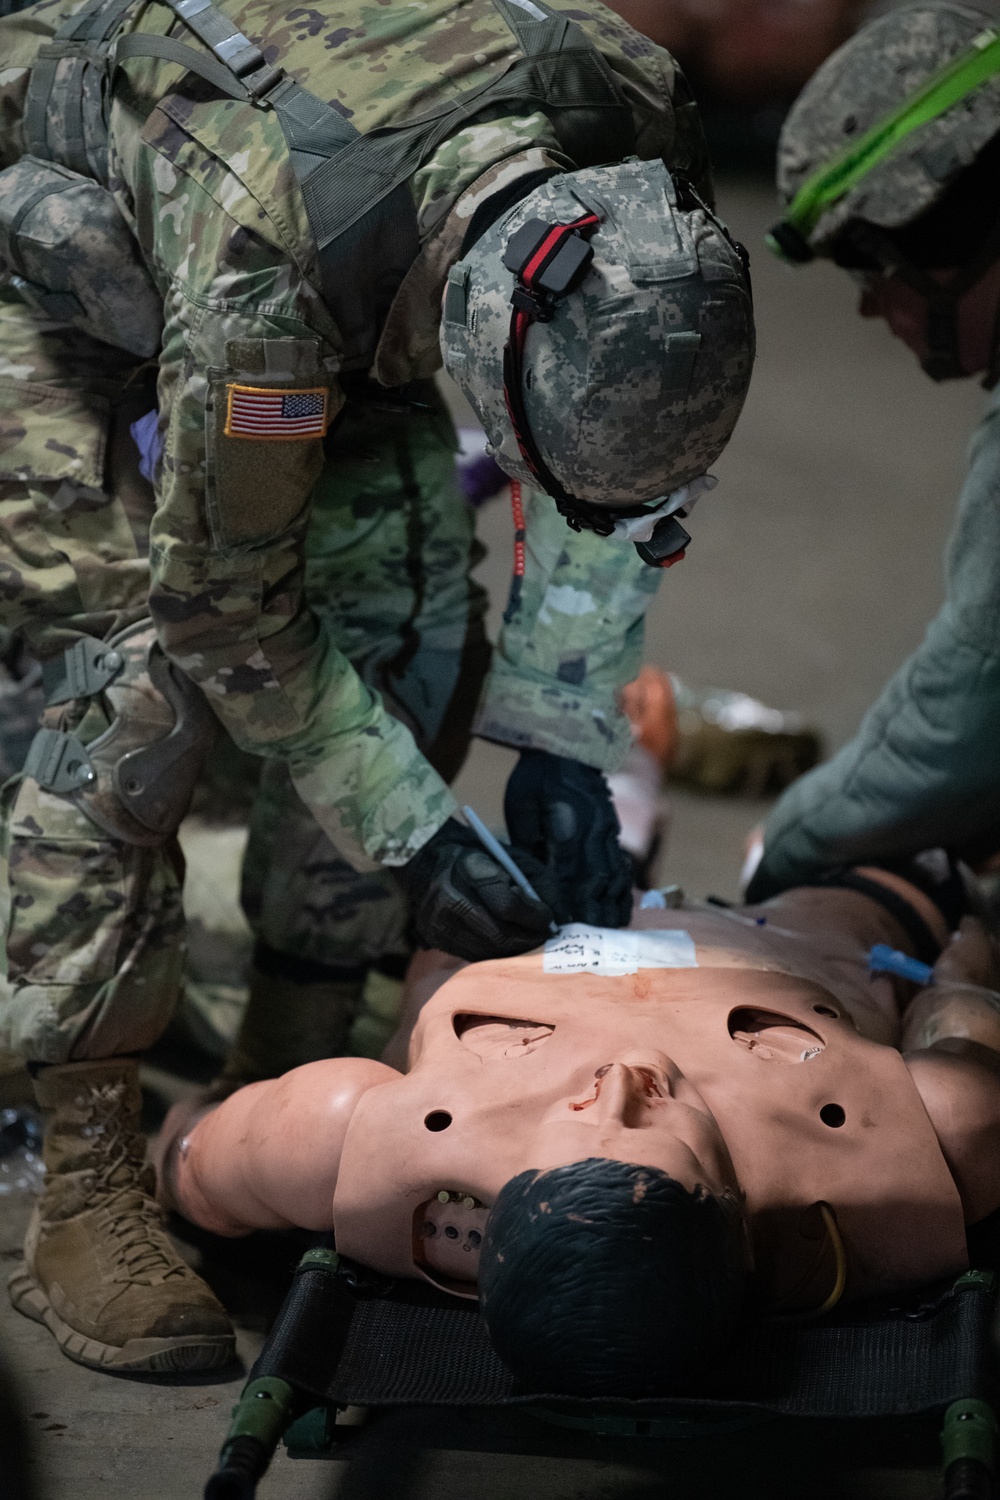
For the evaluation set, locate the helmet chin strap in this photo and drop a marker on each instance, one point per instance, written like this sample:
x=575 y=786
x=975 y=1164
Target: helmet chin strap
x=992 y=376
x=548 y=262
x=943 y=358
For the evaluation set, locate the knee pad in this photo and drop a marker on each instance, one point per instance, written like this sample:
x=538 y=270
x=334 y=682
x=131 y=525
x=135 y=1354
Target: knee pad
x=134 y=780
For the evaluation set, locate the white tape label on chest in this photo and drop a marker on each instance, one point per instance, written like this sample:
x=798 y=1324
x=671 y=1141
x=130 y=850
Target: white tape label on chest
x=579 y=949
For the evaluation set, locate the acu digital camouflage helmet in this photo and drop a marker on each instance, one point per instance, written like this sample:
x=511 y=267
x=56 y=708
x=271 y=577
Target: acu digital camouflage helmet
x=887 y=124
x=890 y=165
x=624 y=311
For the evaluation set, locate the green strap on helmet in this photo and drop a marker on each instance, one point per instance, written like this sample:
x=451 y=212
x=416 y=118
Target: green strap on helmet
x=790 y=238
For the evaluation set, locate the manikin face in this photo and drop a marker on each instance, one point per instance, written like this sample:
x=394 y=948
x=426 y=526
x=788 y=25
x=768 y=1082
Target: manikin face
x=492 y=1096
x=638 y=1107
x=748 y=1081
x=905 y=311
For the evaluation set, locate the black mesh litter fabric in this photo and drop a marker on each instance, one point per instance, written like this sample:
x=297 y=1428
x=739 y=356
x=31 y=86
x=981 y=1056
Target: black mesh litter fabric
x=413 y=1346
x=424 y=1355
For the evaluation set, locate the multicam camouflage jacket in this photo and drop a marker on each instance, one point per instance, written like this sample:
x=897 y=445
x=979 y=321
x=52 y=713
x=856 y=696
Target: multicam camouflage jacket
x=205 y=185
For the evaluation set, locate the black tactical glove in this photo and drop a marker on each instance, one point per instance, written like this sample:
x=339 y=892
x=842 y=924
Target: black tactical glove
x=465 y=903
x=561 y=812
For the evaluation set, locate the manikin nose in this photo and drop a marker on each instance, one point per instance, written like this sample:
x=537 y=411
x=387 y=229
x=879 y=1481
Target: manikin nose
x=624 y=1089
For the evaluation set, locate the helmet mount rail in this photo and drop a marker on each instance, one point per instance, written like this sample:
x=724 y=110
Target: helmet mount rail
x=548 y=262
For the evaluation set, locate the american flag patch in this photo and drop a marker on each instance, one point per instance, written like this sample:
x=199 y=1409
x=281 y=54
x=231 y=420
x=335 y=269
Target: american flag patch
x=276 y=416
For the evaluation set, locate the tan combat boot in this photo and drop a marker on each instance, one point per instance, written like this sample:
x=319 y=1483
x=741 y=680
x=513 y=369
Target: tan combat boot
x=101 y=1272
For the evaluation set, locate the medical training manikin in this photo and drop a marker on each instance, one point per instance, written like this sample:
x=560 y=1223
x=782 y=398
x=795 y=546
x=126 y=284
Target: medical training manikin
x=750 y=1056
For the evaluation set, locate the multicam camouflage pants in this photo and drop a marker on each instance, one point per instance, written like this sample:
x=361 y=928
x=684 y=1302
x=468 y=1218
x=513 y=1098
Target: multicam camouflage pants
x=94 y=929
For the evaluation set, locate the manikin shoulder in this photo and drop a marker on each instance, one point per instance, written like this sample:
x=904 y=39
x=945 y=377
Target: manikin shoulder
x=268 y=1156
x=959 y=1084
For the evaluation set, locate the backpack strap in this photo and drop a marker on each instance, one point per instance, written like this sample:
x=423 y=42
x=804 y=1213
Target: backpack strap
x=144 y=44
x=356 y=187
x=234 y=50
x=69 y=125
x=536 y=28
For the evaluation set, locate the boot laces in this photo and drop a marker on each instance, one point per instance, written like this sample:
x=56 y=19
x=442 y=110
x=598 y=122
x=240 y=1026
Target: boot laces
x=128 y=1213
x=144 y=1252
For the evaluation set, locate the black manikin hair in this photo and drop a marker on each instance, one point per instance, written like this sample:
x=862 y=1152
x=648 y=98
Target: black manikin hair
x=950 y=233
x=608 y=1279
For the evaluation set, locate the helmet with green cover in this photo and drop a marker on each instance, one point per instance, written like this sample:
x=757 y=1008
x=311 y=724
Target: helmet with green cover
x=889 y=161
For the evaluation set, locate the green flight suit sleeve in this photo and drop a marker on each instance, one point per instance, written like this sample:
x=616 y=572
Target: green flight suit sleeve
x=924 y=768
x=227 y=540
x=570 y=645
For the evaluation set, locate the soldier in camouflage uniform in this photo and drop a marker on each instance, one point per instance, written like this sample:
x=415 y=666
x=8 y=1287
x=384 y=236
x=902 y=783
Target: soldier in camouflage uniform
x=308 y=576
x=890 y=165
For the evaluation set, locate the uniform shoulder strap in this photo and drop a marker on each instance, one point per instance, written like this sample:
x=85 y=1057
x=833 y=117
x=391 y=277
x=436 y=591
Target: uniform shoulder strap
x=356 y=187
x=536 y=27
x=68 y=124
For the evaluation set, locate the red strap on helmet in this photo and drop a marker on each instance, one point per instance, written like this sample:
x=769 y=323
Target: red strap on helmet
x=534 y=301
x=551 y=244
x=549 y=261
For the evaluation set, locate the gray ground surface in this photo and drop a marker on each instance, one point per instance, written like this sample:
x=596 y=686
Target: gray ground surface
x=815 y=566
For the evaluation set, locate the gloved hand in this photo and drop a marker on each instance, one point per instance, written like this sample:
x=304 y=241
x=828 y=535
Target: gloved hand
x=561 y=812
x=465 y=903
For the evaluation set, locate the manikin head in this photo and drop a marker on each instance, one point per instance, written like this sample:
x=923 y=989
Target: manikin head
x=607 y=1278
x=437 y=1164
x=636 y=1108
x=614 y=1265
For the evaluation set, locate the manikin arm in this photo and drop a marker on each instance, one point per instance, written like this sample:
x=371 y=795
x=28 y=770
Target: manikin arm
x=268 y=1156
x=951 y=1038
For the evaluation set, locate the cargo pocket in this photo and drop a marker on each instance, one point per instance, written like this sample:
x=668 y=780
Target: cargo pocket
x=265 y=420
x=49 y=435
x=67 y=902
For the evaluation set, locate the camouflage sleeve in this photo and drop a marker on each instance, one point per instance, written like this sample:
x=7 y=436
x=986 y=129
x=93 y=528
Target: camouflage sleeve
x=227 y=541
x=924 y=767
x=667 y=119
x=20 y=38
x=570 y=645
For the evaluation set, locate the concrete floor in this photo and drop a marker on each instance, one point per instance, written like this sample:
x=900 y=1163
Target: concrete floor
x=814 y=569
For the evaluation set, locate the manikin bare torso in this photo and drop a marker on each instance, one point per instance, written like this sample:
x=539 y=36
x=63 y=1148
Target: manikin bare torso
x=771 y=1070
